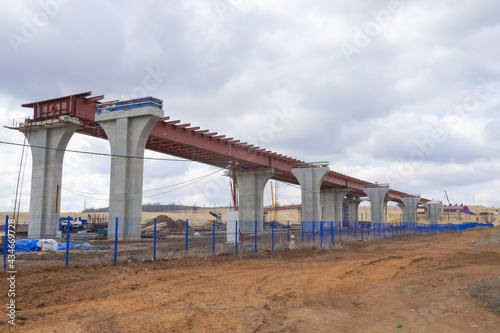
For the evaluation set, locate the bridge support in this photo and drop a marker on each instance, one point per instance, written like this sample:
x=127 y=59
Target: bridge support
x=310 y=180
x=127 y=131
x=331 y=200
x=409 y=208
x=46 y=177
x=433 y=211
x=353 y=205
x=377 y=196
x=251 y=184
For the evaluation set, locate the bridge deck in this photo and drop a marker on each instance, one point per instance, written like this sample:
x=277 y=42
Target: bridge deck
x=182 y=140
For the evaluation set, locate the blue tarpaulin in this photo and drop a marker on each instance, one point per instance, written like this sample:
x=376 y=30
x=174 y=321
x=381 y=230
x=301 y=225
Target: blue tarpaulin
x=30 y=245
x=26 y=245
x=78 y=246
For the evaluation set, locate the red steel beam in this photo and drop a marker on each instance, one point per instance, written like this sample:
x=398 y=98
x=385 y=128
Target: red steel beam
x=208 y=148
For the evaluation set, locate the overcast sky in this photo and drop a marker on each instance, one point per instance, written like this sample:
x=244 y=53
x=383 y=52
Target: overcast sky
x=399 y=92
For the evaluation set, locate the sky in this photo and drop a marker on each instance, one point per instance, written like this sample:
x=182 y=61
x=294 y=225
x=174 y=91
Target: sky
x=399 y=92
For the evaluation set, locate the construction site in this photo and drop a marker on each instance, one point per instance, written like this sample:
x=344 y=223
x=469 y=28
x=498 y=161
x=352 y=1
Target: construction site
x=353 y=255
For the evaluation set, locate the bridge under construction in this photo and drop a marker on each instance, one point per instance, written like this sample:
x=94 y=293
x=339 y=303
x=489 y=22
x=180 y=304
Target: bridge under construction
x=135 y=125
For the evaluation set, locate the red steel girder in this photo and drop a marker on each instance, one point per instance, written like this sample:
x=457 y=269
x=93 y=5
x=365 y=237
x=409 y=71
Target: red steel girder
x=195 y=144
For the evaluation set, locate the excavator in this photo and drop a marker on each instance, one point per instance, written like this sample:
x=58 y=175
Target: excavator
x=218 y=222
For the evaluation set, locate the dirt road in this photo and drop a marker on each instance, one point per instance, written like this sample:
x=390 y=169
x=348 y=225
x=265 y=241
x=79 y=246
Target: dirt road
x=410 y=283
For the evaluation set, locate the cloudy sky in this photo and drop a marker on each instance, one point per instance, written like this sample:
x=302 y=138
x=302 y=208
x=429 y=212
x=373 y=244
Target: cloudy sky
x=400 y=92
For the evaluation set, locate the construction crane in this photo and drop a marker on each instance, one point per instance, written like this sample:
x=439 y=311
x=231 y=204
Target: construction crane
x=446 y=194
x=272 y=200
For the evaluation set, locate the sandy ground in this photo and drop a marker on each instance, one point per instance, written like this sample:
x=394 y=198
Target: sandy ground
x=420 y=282
x=203 y=214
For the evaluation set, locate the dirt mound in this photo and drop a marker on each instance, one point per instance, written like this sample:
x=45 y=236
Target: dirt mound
x=164 y=222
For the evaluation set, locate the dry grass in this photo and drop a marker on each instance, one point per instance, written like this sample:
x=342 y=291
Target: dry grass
x=488 y=293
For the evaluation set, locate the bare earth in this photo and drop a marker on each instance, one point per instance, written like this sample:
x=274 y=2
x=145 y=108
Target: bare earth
x=420 y=282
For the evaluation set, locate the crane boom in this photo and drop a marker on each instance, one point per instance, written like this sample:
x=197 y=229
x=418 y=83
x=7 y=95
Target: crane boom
x=449 y=203
x=272 y=197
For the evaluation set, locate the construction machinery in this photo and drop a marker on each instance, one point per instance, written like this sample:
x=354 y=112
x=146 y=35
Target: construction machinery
x=272 y=200
x=447 y=198
x=2 y=239
x=75 y=224
x=218 y=223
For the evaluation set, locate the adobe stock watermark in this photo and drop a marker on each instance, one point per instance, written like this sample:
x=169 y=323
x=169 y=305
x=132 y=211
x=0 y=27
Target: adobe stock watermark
x=74 y=159
x=483 y=91
x=372 y=29
x=427 y=147
x=279 y=121
x=223 y=7
x=153 y=78
x=31 y=26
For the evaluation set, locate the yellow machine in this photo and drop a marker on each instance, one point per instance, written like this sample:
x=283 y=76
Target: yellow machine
x=218 y=222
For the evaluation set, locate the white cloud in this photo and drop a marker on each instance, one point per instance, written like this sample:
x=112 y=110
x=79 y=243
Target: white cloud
x=228 y=65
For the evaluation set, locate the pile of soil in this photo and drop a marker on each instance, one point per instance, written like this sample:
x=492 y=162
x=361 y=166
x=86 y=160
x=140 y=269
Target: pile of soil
x=164 y=222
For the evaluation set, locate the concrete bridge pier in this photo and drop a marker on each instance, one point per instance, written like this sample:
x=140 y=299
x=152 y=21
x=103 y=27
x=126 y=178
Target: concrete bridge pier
x=127 y=132
x=331 y=201
x=46 y=178
x=377 y=196
x=409 y=208
x=310 y=180
x=433 y=210
x=251 y=185
x=353 y=205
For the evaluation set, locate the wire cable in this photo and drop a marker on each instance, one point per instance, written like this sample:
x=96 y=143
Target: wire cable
x=99 y=154
x=185 y=184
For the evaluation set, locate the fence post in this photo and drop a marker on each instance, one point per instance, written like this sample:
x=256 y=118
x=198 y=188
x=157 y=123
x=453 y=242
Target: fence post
x=187 y=236
x=348 y=229
x=236 y=239
x=355 y=230
x=314 y=231
x=154 y=243
x=213 y=237
x=362 y=236
x=67 y=240
x=288 y=231
x=272 y=246
x=320 y=235
x=340 y=231
x=384 y=229
x=255 y=236
x=116 y=240
x=302 y=231
x=333 y=235
x=5 y=241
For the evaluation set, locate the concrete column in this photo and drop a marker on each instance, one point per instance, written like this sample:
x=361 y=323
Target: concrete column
x=353 y=205
x=310 y=180
x=433 y=210
x=46 y=177
x=251 y=186
x=409 y=208
x=331 y=202
x=377 y=203
x=127 y=132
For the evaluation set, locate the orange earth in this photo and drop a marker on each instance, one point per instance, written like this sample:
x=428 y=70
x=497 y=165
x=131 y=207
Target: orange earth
x=411 y=283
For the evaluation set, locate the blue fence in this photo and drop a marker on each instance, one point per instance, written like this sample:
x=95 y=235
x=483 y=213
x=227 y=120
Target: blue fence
x=248 y=235
x=331 y=232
